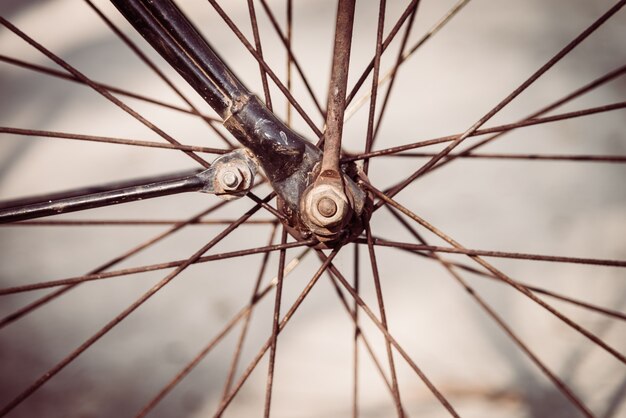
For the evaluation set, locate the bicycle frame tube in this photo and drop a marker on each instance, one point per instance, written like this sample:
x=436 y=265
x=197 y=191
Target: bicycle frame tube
x=105 y=198
x=291 y=163
x=286 y=157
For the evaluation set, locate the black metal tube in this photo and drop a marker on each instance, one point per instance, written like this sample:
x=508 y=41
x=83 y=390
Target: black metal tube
x=94 y=200
x=81 y=191
x=286 y=157
x=168 y=31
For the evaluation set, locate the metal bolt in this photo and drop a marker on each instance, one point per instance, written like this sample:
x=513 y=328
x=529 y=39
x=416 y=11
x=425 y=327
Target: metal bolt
x=327 y=207
x=231 y=179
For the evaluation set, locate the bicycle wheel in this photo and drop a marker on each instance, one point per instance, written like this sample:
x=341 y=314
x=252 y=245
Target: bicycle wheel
x=524 y=319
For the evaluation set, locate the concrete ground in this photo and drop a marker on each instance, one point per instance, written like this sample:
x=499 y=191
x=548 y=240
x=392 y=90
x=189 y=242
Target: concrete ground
x=573 y=209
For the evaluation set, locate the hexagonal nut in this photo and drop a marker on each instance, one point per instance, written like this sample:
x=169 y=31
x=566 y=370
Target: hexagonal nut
x=326 y=191
x=230 y=178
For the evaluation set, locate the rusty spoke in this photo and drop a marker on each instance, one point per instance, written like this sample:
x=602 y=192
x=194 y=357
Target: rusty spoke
x=294 y=307
x=355 y=364
x=353 y=313
x=147 y=268
x=535 y=118
x=65 y=76
x=555 y=295
x=560 y=385
x=196 y=360
x=501 y=276
x=266 y=67
x=14 y=316
x=244 y=330
x=286 y=40
x=610 y=76
x=525 y=157
x=486 y=274
x=243 y=314
x=109 y=140
x=248 y=317
x=388 y=39
x=383 y=319
x=97 y=88
x=502 y=254
x=393 y=73
x=496 y=129
x=556 y=58
x=289 y=60
x=155 y=69
x=405 y=15
x=259 y=50
x=369 y=137
x=276 y=318
x=119 y=318
x=442 y=399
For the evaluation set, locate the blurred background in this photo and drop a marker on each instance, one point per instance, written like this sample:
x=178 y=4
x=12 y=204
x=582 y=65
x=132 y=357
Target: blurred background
x=566 y=208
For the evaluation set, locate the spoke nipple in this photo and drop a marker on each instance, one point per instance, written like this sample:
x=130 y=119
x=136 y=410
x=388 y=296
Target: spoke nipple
x=327 y=207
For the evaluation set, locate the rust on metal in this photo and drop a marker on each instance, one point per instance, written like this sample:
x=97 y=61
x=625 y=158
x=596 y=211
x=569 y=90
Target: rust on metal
x=337 y=90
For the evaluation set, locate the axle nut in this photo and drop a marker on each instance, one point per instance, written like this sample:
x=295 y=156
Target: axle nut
x=325 y=206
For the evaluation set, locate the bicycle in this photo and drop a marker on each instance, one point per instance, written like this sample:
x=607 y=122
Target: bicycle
x=326 y=201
